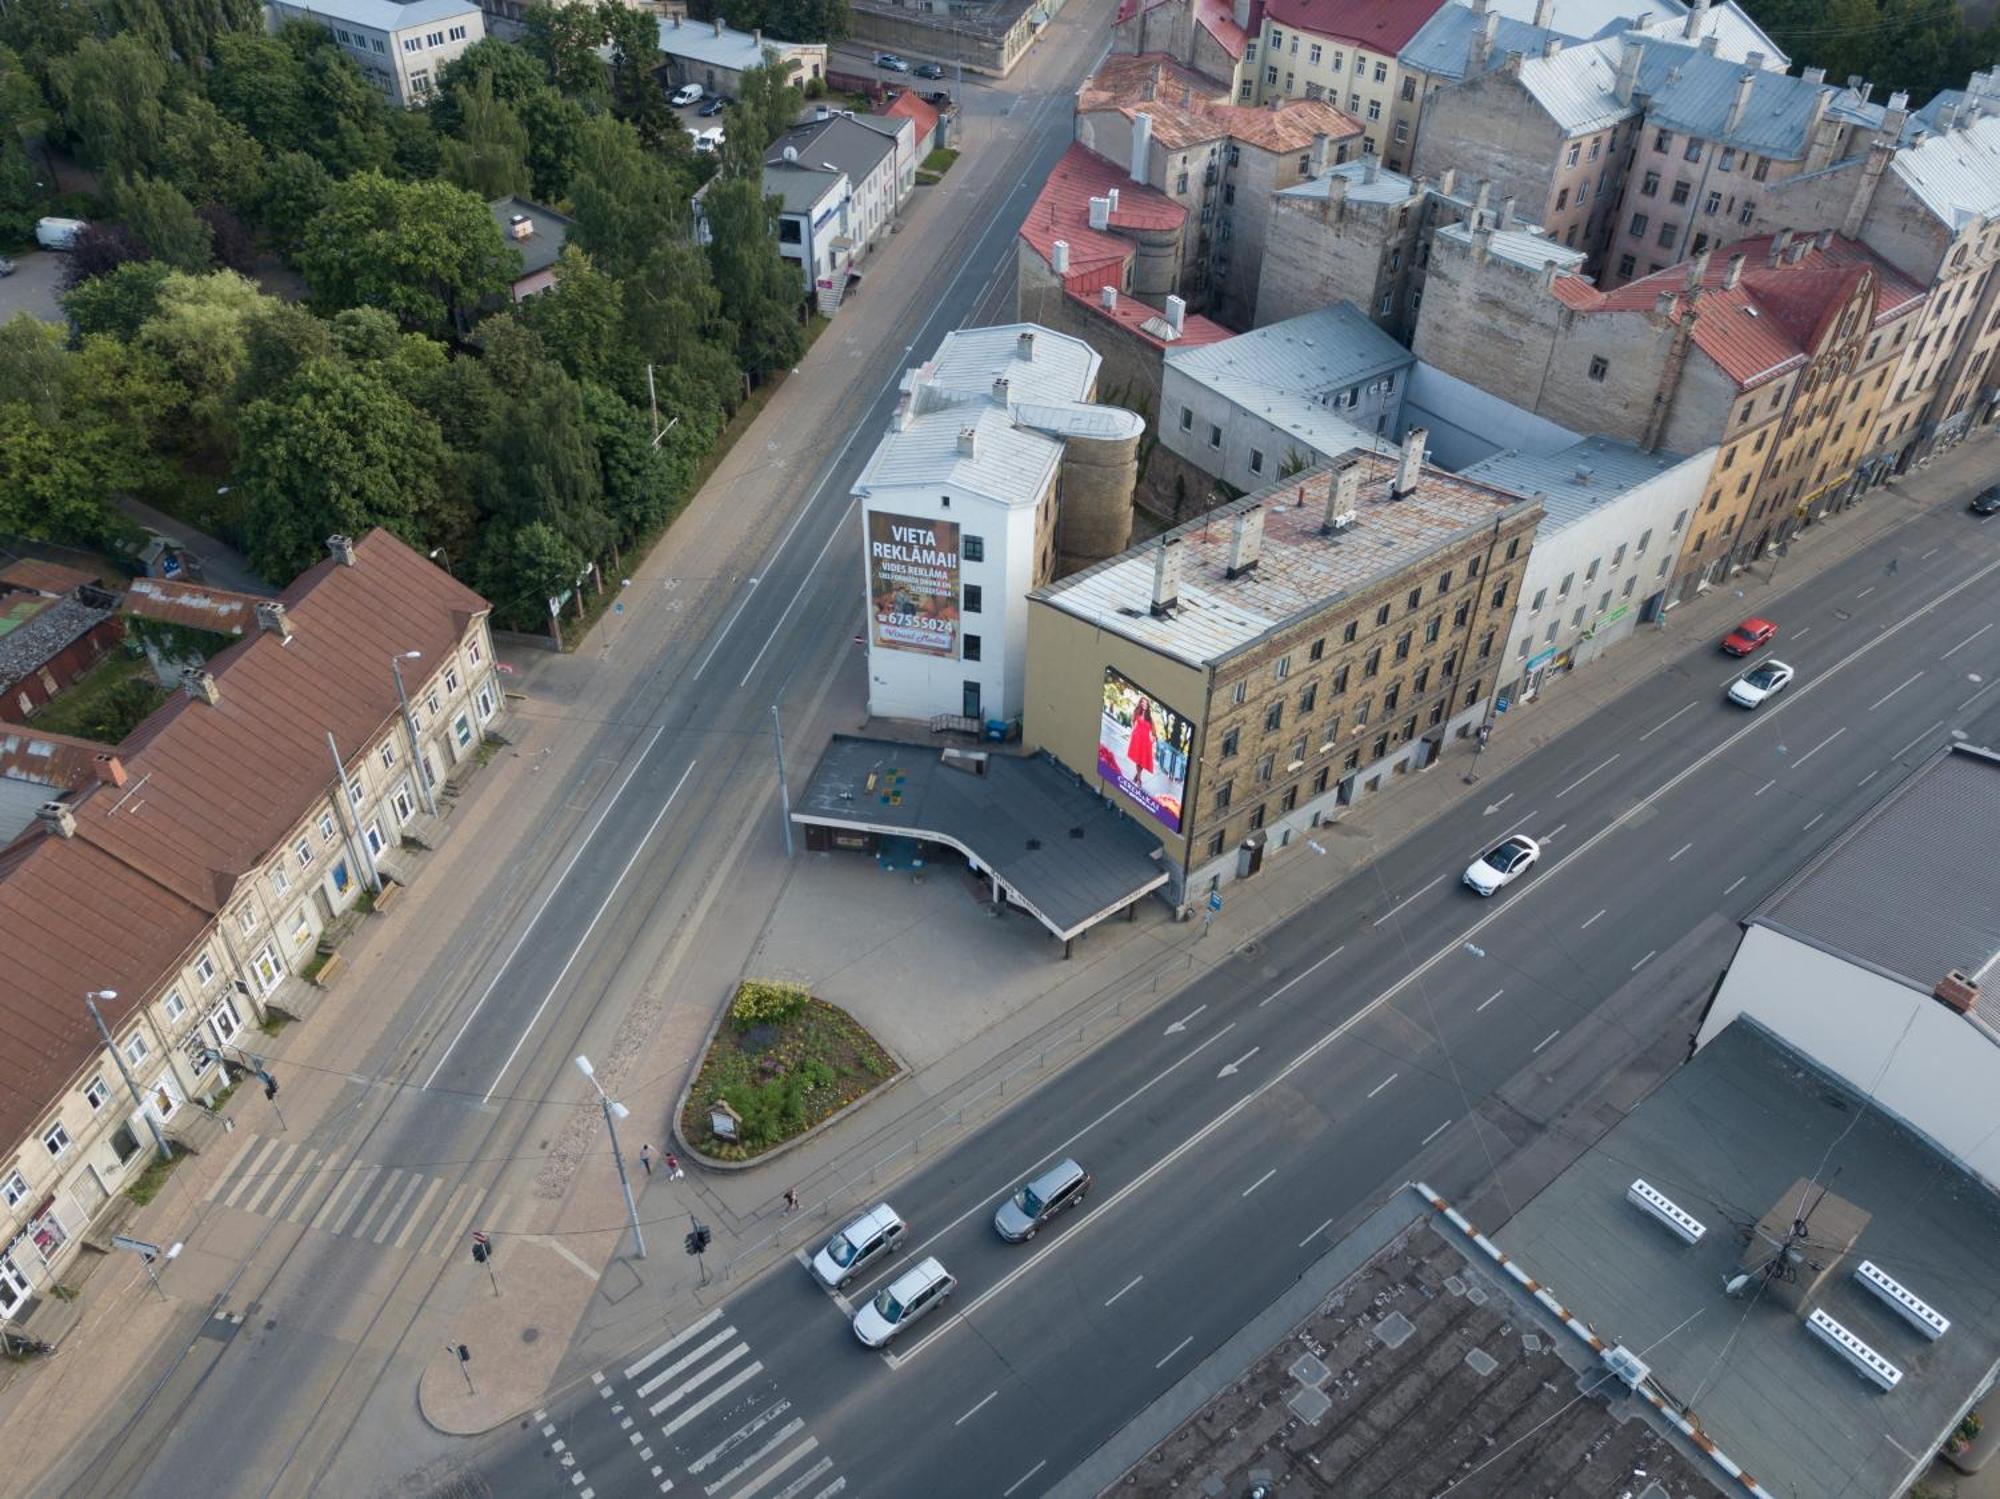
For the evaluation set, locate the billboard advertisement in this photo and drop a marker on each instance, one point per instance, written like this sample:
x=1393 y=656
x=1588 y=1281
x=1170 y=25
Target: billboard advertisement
x=913 y=584
x=1143 y=748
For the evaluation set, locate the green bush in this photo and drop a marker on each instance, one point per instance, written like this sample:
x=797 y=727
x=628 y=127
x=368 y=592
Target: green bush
x=762 y=1002
x=781 y=1108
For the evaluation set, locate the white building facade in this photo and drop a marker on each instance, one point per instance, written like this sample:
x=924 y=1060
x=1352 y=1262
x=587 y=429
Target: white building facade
x=399 y=48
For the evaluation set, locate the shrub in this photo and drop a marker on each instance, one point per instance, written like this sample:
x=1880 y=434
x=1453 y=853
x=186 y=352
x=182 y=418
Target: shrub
x=760 y=1002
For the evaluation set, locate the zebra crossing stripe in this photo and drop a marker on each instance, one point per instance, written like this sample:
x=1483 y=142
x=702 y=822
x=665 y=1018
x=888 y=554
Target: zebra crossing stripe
x=394 y=1215
x=268 y=1176
x=222 y=1177
x=417 y=1214
x=340 y=1184
x=720 y=1393
x=791 y=1429
x=683 y=1362
x=444 y=1217
x=360 y=1196
x=804 y=1481
x=299 y=1182
x=250 y=1172
x=672 y=1343
x=472 y=1202
x=376 y=1202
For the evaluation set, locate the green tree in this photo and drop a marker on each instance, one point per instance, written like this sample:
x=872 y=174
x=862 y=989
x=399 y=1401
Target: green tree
x=426 y=251
x=760 y=290
x=296 y=188
x=515 y=73
x=767 y=103
x=580 y=320
x=555 y=127
x=522 y=567
x=643 y=484
x=794 y=20
x=279 y=339
x=166 y=223
x=624 y=199
x=636 y=97
x=674 y=320
x=210 y=157
x=488 y=151
x=200 y=331
x=119 y=302
x=336 y=450
x=113 y=98
x=566 y=37
x=40 y=31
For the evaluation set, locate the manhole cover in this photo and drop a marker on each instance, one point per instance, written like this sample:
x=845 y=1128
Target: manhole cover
x=1480 y=1362
x=530 y=1334
x=1477 y=1296
x=1454 y=1285
x=1532 y=1341
x=1310 y=1372
x=1393 y=1329
x=1309 y=1406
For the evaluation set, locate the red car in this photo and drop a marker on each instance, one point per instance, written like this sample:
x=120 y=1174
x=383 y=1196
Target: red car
x=1748 y=636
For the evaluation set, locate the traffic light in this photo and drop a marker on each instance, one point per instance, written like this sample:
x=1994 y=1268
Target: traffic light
x=482 y=1247
x=270 y=1085
x=698 y=1238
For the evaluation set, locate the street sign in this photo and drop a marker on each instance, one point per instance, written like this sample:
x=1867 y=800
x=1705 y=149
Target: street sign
x=137 y=1246
x=1215 y=900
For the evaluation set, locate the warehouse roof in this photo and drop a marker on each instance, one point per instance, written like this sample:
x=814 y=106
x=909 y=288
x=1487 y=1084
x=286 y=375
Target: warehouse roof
x=1955 y=175
x=720 y=46
x=1575 y=482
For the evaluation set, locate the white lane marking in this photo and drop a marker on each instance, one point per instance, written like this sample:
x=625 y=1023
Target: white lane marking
x=417 y=1213
x=1175 y=1349
x=1546 y=1040
x=1818 y=747
x=785 y=1433
x=1182 y=1024
x=1555 y=832
x=1678 y=852
x=1663 y=723
x=1260 y=1181
x=720 y=1393
x=1488 y=1000
x=274 y=1149
x=1735 y=882
x=1008 y=1492
x=1868 y=590
x=1408 y=898
x=1584 y=777
x=1645 y=960
x=1302 y=977
x=771 y=1474
x=1124 y=1288
x=1965 y=642
x=577 y=951
x=1918 y=740
x=435 y=1238
x=1496 y=806
x=562 y=880
x=739 y=1436
x=1315 y=1233
x=1866 y=779
x=1801 y=634
x=1436 y=1132
x=222 y=1178
x=395 y=1214
x=1230 y=1069
x=832 y=536
x=1930 y=554
x=1973 y=699
x=1808 y=827
x=635 y=1370
x=686 y=1359
x=1764 y=788
x=995 y=1395
x=360 y=1196
x=1893 y=691
x=1592 y=922
x=1383 y=1084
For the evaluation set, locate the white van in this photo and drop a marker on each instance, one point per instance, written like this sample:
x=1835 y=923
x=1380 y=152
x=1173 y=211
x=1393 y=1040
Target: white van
x=59 y=234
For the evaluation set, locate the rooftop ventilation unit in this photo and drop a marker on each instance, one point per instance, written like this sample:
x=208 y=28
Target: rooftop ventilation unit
x=1627 y=1365
x=1649 y=1200
x=1913 y=1311
x=1867 y=1362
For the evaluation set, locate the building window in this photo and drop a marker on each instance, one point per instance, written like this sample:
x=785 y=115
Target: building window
x=96 y=1095
x=461 y=730
x=1682 y=188
x=484 y=702
x=1187 y=418
x=246 y=920
x=1763 y=169
x=14 y=1189
x=1308 y=697
x=387 y=755
x=1668 y=233
x=1224 y=795
x=1318 y=649
x=204 y=969
x=1541 y=598
x=457 y=33
x=1639 y=224
x=1381 y=73
x=1712 y=204
x=1214 y=435
x=1693 y=151
x=1392 y=697
x=1403 y=646
x=972 y=548
x=400 y=799
x=1562 y=199
x=1500 y=596
x=1347 y=633
x=1274 y=716
x=1373 y=665
x=136 y=1050
x=972 y=647
x=1256 y=461
x=1266 y=767
x=1574 y=154
x=1281 y=668
x=1599 y=367
x=1257 y=817
x=1747 y=213
x=1339 y=683
x=1231 y=742
x=1237 y=691
x=56 y=1139
x=1433 y=628
x=326 y=828
x=1626 y=266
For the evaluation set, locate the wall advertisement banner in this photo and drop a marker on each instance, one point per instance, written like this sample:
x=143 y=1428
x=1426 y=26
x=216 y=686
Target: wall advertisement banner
x=1143 y=748
x=913 y=584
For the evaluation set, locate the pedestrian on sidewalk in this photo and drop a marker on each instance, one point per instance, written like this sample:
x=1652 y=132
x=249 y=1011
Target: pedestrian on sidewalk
x=673 y=1164
x=646 y=1158
x=791 y=1199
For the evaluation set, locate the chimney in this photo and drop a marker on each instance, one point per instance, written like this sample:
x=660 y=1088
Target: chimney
x=1448 y=181
x=200 y=685
x=1336 y=197
x=1550 y=270
x=1779 y=242
x=1551 y=45
x=1246 y=541
x=1947 y=116
x=1480 y=199
x=1108 y=298
x=57 y=818
x=757 y=37
x=1664 y=304
x=677 y=22
x=968 y=442
x=110 y=769
x=1176 y=310
x=1691 y=27
x=1744 y=84
x=271 y=616
x=1410 y=466
x=904 y=413
x=1342 y=495
x=1481 y=46
x=1024 y=347
x=1241 y=15
x=1319 y=154
x=1756 y=60
x=1506 y=219
x=718 y=25
x=1111 y=197
x=820 y=112
x=1100 y=213
x=1545 y=11
x=342 y=548
x=1823 y=240
x=1142 y=144
x=1000 y=390
x=1371 y=168
x=1881 y=151
x=1814 y=75
x=1629 y=57
x=1954 y=989
x=1482 y=241
x=1511 y=65
x=1059 y=257
x=1708 y=44
x=1734 y=272
x=1697 y=269
x=1166 y=576
x=1796 y=250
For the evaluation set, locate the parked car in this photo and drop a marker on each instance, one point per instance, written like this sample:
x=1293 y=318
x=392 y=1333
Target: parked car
x=1056 y=1190
x=874 y=1234
x=1503 y=864
x=686 y=94
x=919 y=1290
x=6 y=266
x=708 y=140
x=892 y=62
x=1751 y=635
x=929 y=70
x=940 y=98
x=1987 y=501
x=1761 y=682
x=716 y=105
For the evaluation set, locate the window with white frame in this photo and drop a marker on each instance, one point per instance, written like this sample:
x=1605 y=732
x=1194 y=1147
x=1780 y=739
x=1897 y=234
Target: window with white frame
x=280 y=881
x=474 y=653
x=199 y=1053
x=246 y=919
x=451 y=679
x=174 y=1005
x=327 y=831
x=401 y=800
x=56 y=1139
x=484 y=702
x=387 y=754
x=373 y=833
x=267 y=967
x=303 y=852
x=224 y=1022
x=136 y=1049
x=431 y=700
x=204 y=969
x=461 y=730
x=13 y=1189
x=96 y=1094
x=356 y=792
x=301 y=928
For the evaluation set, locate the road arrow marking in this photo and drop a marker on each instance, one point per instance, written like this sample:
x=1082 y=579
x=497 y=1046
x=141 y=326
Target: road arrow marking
x=1182 y=1024
x=1232 y=1069
x=1492 y=807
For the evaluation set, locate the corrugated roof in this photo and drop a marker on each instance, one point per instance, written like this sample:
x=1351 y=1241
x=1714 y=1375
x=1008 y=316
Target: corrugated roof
x=383 y=15
x=798 y=187
x=210 y=789
x=1442 y=46
x=1955 y=175
x=1367 y=182
x=56 y=762
x=193 y=604
x=1312 y=355
x=1300 y=569
x=1061 y=211
x=1150 y=323
x=38 y=576
x=1187 y=109
x=1383 y=27
x=1575 y=482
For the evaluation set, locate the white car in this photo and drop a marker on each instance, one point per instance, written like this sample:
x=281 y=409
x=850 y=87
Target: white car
x=686 y=94
x=1504 y=863
x=708 y=140
x=922 y=1288
x=1766 y=680
x=875 y=1233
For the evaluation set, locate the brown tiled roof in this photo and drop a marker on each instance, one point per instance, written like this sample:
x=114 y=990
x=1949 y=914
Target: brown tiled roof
x=1187 y=109
x=194 y=605
x=209 y=791
x=38 y=576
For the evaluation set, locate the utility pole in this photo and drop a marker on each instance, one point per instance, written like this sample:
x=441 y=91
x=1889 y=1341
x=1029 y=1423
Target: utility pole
x=349 y=814
x=613 y=1112
x=784 y=795
x=410 y=728
x=159 y=1139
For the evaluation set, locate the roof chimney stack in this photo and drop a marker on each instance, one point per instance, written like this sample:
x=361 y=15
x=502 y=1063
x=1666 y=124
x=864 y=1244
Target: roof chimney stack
x=1664 y=305
x=968 y=442
x=110 y=769
x=1410 y=466
x=1142 y=143
x=1697 y=269
x=1100 y=213
x=1779 y=243
x=1000 y=390
x=1108 y=298
x=1630 y=55
x=1166 y=576
x=57 y=818
x=718 y=25
x=1111 y=197
x=200 y=685
x=1342 y=495
x=1955 y=989
x=1745 y=82
x=1545 y=11
x=1734 y=272
x=1246 y=540
x=1176 y=311
x=1481 y=46
x=1691 y=26
x=1024 y=346
x=271 y=616
x=1059 y=257
x=342 y=549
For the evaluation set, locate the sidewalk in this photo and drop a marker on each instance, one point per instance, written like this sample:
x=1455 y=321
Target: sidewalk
x=1022 y=1012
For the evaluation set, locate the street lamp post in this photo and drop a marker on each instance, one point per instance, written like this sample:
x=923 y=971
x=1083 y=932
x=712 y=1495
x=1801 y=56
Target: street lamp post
x=438 y=553
x=613 y=1112
x=410 y=728
x=159 y=1139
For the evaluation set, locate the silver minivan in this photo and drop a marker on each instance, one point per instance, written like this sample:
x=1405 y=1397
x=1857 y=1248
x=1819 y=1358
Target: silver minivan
x=922 y=1288
x=1057 y=1189
x=873 y=1235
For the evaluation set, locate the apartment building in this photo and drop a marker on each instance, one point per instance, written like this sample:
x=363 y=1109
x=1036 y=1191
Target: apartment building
x=1347 y=53
x=1210 y=37
x=399 y=48
x=187 y=883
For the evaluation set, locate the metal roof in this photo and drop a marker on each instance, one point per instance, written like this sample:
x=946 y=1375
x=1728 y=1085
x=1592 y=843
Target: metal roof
x=34 y=629
x=1442 y=47
x=839 y=142
x=1912 y=890
x=1955 y=175
x=541 y=249
x=1300 y=570
x=1523 y=247
x=722 y=47
x=1577 y=481
x=1368 y=181
x=1726 y=1138
x=1378 y=26
x=382 y=15
x=798 y=187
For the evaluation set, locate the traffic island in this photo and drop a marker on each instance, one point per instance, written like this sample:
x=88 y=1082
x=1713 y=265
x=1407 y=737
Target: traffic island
x=515 y=1322
x=778 y=1066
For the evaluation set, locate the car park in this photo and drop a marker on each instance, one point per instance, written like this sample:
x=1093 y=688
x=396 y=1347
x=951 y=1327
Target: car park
x=1504 y=863
x=1986 y=502
x=1765 y=680
x=686 y=94
x=1056 y=1190
x=891 y=62
x=929 y=70
x=873 y=1236
x=1752 y=634
x=917 y=1292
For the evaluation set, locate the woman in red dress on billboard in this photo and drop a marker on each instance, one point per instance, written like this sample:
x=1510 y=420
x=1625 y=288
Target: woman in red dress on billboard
x=1139 y=748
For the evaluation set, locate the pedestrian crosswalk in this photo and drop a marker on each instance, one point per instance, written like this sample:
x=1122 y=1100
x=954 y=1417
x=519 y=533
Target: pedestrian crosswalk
x=394 y=1207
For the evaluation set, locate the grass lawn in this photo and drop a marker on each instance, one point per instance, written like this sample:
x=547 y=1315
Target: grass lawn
x=107 y=702
x=782 y=1075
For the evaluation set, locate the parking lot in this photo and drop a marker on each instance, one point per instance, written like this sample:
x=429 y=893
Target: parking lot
x=33 y=287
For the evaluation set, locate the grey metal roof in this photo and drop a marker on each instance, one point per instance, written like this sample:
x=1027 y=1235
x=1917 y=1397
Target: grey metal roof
x=1913 y=888
x=1367 y=182
x=1442 y=46
x=541 y=249
x=1955 y=175
x=19 y=801
x=839 y=141
x=738 y=51
x=1065 y=852
x=1576 y=481
x=1524 y=247
x=799 y=188
x=1008 y=464
x=382 y=15
x=29 y=645
x=1726 y=1138
x=1061 y=367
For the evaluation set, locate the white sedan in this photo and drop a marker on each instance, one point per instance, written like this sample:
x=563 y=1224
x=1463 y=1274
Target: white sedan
x=1503 y=864
x=1767 y=680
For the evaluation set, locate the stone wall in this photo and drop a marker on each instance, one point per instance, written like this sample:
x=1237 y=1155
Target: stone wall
x=1491 y=130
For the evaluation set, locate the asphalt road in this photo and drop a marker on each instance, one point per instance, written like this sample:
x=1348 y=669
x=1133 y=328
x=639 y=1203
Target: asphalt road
x=493 y=1016
x=1235 y=1131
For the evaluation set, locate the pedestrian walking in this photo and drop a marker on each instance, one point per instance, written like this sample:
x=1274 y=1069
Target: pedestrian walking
x=646 y=1158
x=673 y=1165
x=1894 y=563
x=791 y=1199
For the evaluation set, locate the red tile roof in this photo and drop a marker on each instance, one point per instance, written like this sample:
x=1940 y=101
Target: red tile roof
x=1187 y=109
x=195 y=605
x=210 y=790
x=52 y=578
x=1382 y=27
x=1132 y=315
x=920 y=111
x=1062 y=211
x=1771 y=320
